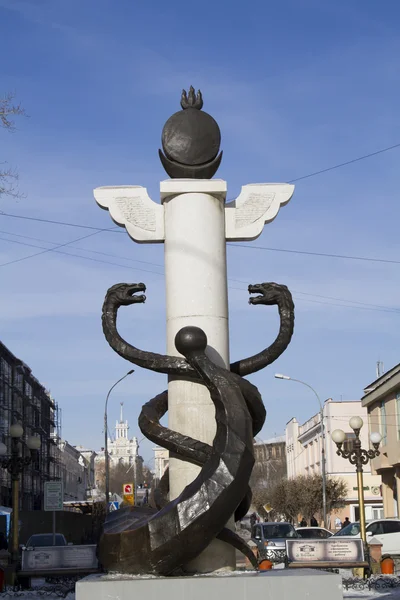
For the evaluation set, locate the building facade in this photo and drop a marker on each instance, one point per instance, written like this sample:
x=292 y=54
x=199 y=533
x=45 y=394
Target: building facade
x=304 y=450
x=270 y=460
x=88 y=458
x=74 y=473
x=161 y=463
x=124 y=450
x=26 y=401
x=382 y=401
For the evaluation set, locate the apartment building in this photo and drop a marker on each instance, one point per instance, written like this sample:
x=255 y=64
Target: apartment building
x=382 y=401
x=304 y=451
x=25 y=400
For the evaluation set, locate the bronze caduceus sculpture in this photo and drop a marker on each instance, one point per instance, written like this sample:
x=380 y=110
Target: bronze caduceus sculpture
x=163 y=539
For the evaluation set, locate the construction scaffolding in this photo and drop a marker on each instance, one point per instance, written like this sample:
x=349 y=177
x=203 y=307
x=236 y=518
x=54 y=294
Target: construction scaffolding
x=25 y=400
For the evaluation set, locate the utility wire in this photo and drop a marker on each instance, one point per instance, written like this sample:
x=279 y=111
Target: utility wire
x=236 y=244
x=313 y=174
x=73 y=255
x=52 y=222
x=325 y=254
x=370 y=307
x=29 y=237
x=343 y=164
x=45 y=250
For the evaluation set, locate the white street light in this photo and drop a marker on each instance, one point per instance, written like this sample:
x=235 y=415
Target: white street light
x=16 y=430
x=338 y=436
x=375 y=437
x=3 y=449
x=356 y=423
x=323 y=465
x=106 y=456
x=33 y=442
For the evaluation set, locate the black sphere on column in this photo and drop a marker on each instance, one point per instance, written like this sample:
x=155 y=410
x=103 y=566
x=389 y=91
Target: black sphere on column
x=191 y=140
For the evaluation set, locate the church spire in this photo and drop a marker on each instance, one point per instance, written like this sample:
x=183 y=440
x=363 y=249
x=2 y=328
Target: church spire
x=121 y=419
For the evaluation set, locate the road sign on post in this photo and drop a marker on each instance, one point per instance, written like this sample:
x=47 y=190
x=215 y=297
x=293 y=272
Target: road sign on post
x=128 y=491
x=53 y=495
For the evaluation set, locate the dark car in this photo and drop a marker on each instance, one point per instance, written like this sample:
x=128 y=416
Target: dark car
x=314 y=533
x=39 y=540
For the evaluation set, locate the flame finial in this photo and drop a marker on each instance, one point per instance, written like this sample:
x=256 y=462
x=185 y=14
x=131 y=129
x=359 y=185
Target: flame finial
x=191 y=100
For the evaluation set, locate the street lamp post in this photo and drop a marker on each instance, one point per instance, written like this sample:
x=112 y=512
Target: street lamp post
x=323 y=462
x=358 y=457
x=15 y=464
x=106 y=456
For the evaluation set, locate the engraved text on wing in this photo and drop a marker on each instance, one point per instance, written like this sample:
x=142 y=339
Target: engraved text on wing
x=137 y=212
x=253 y=208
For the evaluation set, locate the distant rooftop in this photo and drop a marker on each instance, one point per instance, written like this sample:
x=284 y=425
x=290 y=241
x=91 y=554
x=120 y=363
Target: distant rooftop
x=281 y=439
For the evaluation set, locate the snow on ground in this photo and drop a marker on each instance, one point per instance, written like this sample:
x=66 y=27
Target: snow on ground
x=383 y=592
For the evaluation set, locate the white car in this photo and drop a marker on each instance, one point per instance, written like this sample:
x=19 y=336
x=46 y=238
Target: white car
x=387 y=531
x=313 y=533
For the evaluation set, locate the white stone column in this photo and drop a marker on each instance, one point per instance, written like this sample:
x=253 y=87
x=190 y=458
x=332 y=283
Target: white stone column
x=196 y=294
x=194 y=223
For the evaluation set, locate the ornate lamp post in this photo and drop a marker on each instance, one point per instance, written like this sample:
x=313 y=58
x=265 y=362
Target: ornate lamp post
x=15 y=464
x=323 y=459
x=358 y=457
x=106 y=456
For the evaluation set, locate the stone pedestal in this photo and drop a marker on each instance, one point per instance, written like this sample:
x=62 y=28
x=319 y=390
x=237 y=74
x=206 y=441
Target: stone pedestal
x=305 y=584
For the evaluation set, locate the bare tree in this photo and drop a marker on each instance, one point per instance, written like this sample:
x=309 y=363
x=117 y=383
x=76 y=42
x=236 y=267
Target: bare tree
x=301 y=496
x=9 y=176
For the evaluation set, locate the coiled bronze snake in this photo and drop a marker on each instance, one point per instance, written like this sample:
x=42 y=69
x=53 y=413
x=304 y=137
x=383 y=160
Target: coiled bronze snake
x=168 y=539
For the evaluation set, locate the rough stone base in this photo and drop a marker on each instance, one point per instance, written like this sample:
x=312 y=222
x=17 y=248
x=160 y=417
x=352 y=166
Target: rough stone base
x=304 y=584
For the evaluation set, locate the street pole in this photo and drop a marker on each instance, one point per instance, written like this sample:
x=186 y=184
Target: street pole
x=360 y=484
x=323 y=460
x=15 y=518
x=106 y=456
x=323 y=466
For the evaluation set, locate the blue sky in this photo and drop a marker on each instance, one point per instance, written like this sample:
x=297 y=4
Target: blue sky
x=295 y=87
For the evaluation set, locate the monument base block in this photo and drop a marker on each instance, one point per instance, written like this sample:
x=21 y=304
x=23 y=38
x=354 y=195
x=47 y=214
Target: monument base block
x=307 y=584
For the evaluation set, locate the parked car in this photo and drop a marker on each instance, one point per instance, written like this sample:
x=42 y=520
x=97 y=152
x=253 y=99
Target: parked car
x=38 y=540
x=271 y=539
x=315 y=533
x=387 y=531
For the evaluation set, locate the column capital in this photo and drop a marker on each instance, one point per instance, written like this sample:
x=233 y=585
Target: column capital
x=176 y=187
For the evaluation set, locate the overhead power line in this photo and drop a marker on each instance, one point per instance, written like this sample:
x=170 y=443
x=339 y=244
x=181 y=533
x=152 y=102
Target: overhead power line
x=235 y=244
x=365 y=306
x=45 y=250
x=313 y=174
x=72 y=255
x=344 y=164
x=324 y=254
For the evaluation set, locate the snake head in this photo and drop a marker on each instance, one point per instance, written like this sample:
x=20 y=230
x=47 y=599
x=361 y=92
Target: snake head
x=269 y=293
x=124 y=293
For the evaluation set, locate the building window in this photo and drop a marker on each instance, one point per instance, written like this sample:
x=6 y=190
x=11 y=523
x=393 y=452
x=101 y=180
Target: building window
x=398 y=414
x=383 y=423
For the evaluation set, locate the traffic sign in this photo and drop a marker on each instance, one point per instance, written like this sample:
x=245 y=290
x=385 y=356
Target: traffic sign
x=113 y=506
x=267 y=507
x=128 y=490
x=53 y=495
